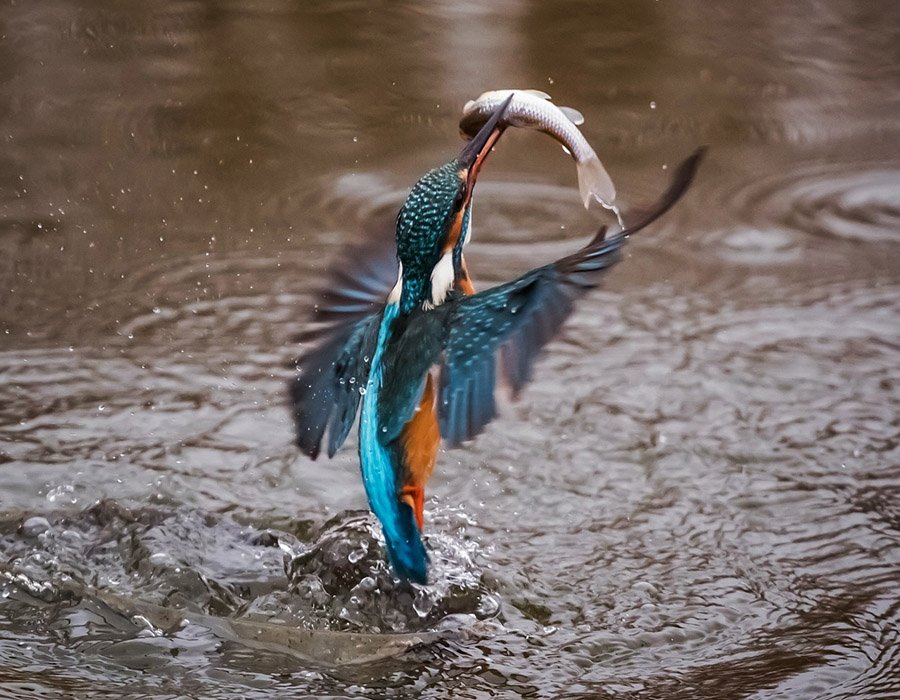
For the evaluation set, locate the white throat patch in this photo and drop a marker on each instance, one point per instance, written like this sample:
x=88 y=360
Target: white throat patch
x=442 y=278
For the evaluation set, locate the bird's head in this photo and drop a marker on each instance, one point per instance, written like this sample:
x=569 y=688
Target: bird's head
x=434 y=223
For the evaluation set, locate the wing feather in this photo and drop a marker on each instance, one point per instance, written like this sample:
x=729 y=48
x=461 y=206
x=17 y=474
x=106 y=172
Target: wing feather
x=322 y=394
x=510 y=324
x=341 y=333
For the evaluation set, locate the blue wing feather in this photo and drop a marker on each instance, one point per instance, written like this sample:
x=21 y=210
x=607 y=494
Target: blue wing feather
x=342 y=333
x=322 y=394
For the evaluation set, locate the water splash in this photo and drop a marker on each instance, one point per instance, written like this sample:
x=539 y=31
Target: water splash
x=344 y=581
x=159 y=568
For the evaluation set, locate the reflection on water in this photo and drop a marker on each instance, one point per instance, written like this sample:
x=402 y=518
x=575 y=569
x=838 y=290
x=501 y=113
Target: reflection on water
x=697 y=496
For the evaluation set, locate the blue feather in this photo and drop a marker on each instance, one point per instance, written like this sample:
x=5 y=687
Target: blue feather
x=380 y=466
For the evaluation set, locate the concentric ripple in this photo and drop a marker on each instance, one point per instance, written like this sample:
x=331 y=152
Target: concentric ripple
x=844 y=203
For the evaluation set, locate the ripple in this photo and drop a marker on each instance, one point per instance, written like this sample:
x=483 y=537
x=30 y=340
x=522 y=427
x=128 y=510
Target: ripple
x=516 y=224
x=501 y=208
x=755 y=246
x=834 y=202
x=746 y=447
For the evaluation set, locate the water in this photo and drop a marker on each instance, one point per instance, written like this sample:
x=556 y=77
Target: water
x=696 y=497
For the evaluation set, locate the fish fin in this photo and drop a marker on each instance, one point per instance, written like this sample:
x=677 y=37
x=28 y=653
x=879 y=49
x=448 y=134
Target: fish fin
x=573 y=115
x=537 y=93
x=593 y=180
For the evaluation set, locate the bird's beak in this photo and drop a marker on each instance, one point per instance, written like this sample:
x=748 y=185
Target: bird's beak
x=473 y=154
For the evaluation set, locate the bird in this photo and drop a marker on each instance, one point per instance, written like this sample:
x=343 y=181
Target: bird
x=401 y=337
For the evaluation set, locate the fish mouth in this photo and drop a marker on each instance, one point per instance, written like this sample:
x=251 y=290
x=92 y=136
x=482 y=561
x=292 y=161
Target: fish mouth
x=473 y=154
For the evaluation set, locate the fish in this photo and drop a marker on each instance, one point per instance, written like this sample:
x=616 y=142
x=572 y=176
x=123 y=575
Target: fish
x=533 y=109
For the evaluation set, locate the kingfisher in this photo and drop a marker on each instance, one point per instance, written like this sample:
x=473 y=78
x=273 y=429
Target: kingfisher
x=402 y=338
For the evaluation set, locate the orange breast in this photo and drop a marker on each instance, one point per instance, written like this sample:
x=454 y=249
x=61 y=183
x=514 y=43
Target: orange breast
x=420 y=439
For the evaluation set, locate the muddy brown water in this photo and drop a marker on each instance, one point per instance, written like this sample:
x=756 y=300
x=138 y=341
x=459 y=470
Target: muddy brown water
x=698 y=495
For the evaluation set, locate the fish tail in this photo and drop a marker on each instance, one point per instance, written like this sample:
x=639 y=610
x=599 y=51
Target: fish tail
x=594 y=181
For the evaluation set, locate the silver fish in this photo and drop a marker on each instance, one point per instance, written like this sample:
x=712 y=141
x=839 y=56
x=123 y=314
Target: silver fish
x=533 y=109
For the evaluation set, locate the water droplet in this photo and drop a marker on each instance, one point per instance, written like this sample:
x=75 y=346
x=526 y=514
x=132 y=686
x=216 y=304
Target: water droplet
x=35 y=526
x=353 y=380
x=161 y=559
x=71 y=536
x=488 y=606
x=156 y=310
x=362 y=391
x=423 y=603
x=652 y=104
x=101 y=407
x=62 y=494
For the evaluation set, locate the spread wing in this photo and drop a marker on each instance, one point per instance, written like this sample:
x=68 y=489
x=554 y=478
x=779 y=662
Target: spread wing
x=342 y=334
x=520 y=317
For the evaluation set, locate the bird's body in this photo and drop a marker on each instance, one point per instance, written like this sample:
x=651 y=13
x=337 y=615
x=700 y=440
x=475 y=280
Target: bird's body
x=420 y=362
x=367 y=353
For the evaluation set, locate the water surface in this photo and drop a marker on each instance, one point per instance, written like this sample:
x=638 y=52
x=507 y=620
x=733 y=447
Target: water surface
x=697 y=496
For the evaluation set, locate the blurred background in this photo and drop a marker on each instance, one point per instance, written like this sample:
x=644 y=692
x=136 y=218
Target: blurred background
x=697 y=496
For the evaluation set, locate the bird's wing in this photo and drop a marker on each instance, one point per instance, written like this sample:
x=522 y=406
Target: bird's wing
x=323 y=394
x=358 y=283
x=521 y=317
x=342 y=334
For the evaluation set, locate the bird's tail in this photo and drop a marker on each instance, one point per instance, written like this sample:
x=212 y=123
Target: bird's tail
x=404 y=544
x=594 y=181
